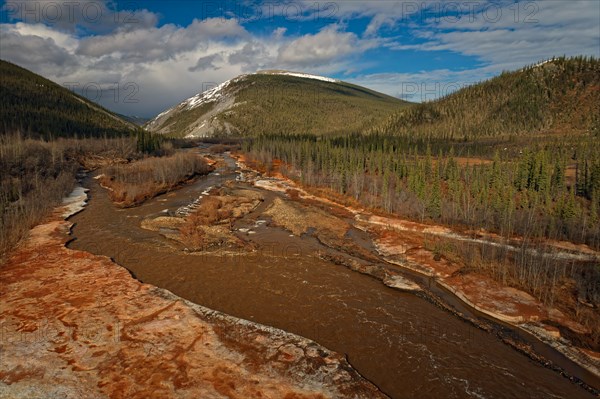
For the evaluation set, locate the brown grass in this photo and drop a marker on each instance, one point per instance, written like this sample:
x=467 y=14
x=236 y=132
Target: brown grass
x=299 y=219
x=132 y=184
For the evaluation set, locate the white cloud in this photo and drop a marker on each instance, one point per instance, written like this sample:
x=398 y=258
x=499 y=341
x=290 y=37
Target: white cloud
x=377 y=22
x=37 y=47
x=253 y=56
x=511 y=35
x=162 y=43
x=279 y=33
x=499 y=32
x=325 y=46
x=97 y=16
x=65 y=40
x=207 y=62
x=383 y=14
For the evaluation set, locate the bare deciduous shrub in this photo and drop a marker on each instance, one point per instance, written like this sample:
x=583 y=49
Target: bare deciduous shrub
x=218 y=148
x=572 y=286
x=35 y=175
x=192 y=236
x=132 y=184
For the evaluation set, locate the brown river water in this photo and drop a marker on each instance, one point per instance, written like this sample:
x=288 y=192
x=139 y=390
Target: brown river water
x=401 y=342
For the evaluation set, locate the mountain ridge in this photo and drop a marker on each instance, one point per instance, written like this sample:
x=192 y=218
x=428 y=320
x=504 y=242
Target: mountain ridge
x=34 y=105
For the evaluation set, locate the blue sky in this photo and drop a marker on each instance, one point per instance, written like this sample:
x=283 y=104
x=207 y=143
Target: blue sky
x=141 y=57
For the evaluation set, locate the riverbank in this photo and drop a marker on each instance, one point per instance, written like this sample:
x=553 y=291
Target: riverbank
x=403 y=243
x=77 y=325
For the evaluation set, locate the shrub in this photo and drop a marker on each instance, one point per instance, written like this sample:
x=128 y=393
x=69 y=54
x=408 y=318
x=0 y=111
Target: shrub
x=132 y=184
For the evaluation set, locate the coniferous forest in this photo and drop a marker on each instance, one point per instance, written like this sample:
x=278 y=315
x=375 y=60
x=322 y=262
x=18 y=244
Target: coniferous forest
x=559 y=186
x=38 y=107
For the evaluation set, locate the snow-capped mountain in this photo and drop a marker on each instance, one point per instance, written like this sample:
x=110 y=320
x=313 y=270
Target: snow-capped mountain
x=273 y=101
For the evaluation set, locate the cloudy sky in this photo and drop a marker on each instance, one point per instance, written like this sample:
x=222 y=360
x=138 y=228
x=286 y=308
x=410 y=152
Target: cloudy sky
x=141 y=57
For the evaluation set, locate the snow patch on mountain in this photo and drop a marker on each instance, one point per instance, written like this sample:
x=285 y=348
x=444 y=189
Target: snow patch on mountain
x=301 y=75
x=209 y=95
x=218 y=91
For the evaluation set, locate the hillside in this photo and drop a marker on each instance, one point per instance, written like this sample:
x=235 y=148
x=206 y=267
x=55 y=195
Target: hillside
x=276 y=102
x=556 y=95
x=37 y=106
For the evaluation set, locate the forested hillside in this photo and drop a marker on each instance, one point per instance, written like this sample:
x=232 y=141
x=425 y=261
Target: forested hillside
x=561 y=95
x=277 y=103
x=38 y=107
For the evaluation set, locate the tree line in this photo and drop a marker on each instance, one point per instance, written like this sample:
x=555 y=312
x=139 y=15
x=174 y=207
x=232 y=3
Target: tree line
x=548 y=192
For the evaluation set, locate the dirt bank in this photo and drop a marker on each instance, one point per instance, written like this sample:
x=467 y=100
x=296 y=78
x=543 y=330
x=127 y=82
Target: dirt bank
x=77 y=325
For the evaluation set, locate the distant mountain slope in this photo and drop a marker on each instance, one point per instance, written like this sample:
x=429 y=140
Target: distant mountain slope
x=34 y=105
x=559 y=94
x=136 y=120
x=276 y=102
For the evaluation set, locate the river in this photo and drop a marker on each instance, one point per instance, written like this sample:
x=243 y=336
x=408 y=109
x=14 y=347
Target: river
x=401 y=342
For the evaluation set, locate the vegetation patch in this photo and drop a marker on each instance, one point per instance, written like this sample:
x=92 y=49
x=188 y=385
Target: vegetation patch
x=37 y=174
x=558 y=95
x=273 y=103
x=211 y=225
x=527 y=194
x=570 y=286
x=131 y=184
x=39 y=107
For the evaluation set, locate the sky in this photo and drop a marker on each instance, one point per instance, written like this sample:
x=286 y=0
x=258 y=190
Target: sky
x=142 y=57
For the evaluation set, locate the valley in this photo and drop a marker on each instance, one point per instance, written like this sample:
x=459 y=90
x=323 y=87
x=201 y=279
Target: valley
x=289 y=235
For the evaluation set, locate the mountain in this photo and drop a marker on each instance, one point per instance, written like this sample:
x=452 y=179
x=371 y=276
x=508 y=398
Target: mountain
x=37 y=106
x=558 y=95
x=276 y=102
